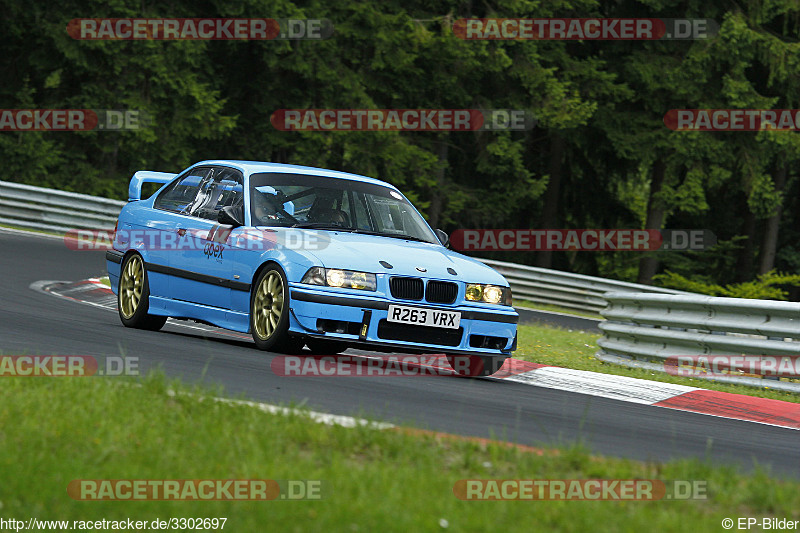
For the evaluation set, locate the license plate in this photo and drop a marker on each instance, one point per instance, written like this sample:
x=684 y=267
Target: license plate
x=424 y=317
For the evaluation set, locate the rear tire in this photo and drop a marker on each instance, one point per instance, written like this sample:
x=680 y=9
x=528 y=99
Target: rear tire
x=269 y=312
x=475 y=365
x=133 y=296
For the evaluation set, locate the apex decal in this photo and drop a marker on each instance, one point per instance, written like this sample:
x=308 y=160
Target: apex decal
x=213 y=250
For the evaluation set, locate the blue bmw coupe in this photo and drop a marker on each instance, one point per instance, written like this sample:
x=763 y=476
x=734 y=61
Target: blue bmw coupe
x=300 y=256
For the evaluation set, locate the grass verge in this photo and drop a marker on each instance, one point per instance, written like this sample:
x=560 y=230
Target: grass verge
x=575 y=349
x=57 y=430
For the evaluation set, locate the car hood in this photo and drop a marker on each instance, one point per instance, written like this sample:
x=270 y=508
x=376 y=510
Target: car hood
x=354 y=251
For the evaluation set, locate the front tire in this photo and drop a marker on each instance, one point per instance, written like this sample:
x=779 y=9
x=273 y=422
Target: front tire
x=269 y=312
x=475 y=365
x=133 y=296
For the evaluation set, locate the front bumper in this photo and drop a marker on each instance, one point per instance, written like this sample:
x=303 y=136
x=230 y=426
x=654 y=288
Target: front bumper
x=362 y=320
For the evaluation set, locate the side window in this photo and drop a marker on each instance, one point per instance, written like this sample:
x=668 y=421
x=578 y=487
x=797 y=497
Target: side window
x=221 y=188
x=181 y=193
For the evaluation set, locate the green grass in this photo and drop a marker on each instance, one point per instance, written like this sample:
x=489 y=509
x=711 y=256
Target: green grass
x=32 y=230
x=56 y=430
x=575 y=349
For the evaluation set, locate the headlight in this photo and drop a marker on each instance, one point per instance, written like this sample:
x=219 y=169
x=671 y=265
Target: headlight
x=335 y=277
x=492 y=294
x=474 y=292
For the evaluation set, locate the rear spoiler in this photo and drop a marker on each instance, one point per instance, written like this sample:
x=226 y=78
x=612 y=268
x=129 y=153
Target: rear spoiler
x=146 y=176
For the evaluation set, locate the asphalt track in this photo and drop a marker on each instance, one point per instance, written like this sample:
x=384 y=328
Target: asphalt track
x=33 y=323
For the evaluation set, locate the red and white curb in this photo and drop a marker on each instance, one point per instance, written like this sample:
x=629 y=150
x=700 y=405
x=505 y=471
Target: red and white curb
x=603 y=385
x=627 y=389
x=668 y=395
x=737 y=406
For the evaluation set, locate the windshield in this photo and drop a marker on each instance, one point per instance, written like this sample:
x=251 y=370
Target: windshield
x=298 y=200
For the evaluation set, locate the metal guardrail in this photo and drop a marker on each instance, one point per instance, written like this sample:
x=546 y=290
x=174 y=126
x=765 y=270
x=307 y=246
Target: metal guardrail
x=644 y=330
x=571 y=291
x=50 y=209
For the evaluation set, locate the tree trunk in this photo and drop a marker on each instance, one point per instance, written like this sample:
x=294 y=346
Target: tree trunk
x=769 y=244
x=744 y=259
x=551 y=196
x=435 y=210
x=648 y=265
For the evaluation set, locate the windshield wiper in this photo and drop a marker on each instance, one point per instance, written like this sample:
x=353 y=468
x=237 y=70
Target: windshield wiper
x=321 y=225
x=392 y=235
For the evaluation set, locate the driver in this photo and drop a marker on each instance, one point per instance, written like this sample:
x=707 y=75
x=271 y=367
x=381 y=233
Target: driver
x=268 y=207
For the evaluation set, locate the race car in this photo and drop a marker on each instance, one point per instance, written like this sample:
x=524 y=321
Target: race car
x=300 y=256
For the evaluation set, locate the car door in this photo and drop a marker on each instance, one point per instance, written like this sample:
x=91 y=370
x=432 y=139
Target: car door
x=160 y=231
x=202 y=271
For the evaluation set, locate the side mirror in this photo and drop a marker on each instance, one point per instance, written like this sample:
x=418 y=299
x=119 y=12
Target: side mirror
x=231 y=216
x=443 y=237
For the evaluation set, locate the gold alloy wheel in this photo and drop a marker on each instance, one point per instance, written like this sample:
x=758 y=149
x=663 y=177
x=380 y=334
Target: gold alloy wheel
x=130 y=286
x=268 y=305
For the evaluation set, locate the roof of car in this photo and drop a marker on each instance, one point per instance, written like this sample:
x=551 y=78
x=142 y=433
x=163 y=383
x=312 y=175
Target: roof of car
x=254 y=167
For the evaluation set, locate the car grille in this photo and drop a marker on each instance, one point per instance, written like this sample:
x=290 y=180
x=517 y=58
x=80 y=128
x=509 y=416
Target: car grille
x=441 y=292
x=424 y=335
x=438 y=292
x=407 y=288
